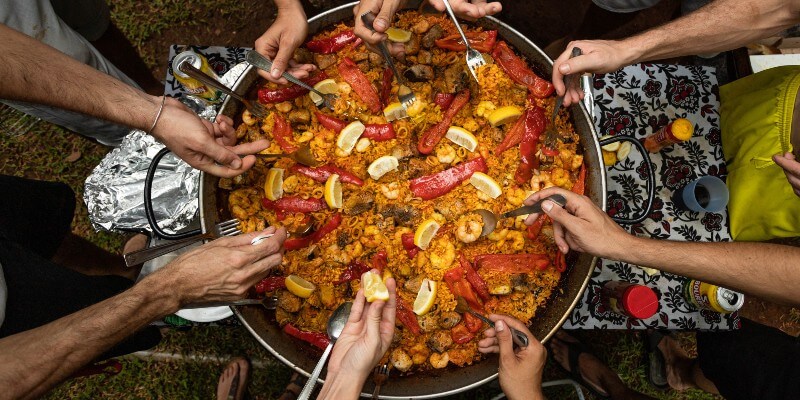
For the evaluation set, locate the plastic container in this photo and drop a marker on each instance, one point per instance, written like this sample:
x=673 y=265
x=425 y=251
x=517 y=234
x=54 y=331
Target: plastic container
x=679 y=130
x=630 y=299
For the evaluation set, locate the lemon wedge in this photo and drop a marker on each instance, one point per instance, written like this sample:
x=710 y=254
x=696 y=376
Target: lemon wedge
x=609 y=158
x=373 y=286
x=349 y=136
x=299 y=286
x=486 y=184
x=333 y=191
x=425 y=297
x=395 y=111
x=425 y=233
x=398 y=35
x=326 y=86
x=611 y=146
x=273 y=185
x=381 y=166
x=462 y=137
x=623 y=150
x=504 y=115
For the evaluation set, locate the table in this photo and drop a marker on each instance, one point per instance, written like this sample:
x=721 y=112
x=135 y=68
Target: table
x=634 y=101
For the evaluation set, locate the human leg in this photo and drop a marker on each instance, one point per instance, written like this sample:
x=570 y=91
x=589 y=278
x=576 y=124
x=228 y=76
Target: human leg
x=233 y=380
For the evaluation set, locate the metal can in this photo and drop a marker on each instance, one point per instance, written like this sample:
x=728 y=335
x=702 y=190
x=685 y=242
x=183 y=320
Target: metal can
x=706 y=296
x=191 y=85
x=630 y=299
x=677 y=131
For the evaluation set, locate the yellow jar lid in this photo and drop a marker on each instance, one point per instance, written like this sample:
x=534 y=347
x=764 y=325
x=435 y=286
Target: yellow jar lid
x=682 y=129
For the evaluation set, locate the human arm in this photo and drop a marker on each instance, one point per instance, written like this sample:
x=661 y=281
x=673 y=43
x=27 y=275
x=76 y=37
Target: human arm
x=281 y=39
x=364 y=340
x=762 y=269
x=34 y=361
x=719 y=26
x=520 y=371
x=37 y=73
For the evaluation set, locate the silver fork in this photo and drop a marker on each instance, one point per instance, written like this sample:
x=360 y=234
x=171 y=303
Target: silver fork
x=226 y=228
x=380 y=376
x=474 y=57
x=255 y=108
x=263 y=63
x=404 y=93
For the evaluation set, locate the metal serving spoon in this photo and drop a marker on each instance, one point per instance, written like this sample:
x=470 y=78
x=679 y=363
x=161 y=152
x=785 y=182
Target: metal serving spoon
x=490 y=219
x=335 y=326
x=270 y=303
x=265 y=64
x=518 y=337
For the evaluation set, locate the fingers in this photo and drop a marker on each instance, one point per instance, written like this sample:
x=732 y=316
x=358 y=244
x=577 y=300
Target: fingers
x=357 y=309
x=281 y=61
x=384 y=19
x=504 y=342
x=559 y=235
x=390 y=310
x=367 y=35
x=251 y=147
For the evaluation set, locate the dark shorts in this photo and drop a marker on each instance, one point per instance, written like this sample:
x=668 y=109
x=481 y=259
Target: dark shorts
x=754 y=362
x=35 y=216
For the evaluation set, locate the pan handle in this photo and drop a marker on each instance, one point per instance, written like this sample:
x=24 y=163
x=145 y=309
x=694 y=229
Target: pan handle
x=651 y=179
x=148 y=202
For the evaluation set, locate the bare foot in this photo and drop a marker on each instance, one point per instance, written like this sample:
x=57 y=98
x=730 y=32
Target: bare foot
x=593 y=371
x=678 y=363
x=233 y=378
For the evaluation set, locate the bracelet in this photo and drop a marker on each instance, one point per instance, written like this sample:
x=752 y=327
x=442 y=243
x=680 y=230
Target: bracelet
x=158 y=115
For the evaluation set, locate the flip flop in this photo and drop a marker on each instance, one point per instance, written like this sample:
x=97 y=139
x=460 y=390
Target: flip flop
x=656 y=366
x=294 y=387
x=574 y=351
x=239 y=380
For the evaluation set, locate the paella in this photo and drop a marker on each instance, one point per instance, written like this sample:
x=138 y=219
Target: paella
x=395 y=188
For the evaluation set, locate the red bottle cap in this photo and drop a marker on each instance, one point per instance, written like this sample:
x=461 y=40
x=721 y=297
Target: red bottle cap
x=640 y=302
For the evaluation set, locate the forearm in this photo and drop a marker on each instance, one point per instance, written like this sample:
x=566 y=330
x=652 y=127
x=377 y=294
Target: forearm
x=288 y=4
x=719 y=26
x=339 y=387
x=766 y=270
x=37 y=73
x=34 y=361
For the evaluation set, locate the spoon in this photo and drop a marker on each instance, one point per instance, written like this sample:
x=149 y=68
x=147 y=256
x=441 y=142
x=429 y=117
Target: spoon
x=490 y=219
x=302 y=155
x=335 y=326
x=519 y=338
x=270 y=303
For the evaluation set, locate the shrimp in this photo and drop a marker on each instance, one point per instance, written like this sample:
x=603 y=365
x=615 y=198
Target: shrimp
x=290 y=184
x=244 y=203
x=334 y=254
x=517 y=240
x=421 y=27
x=248 y=118
x=442 y=256
x=252 y=224
x=305 y=136
x=541 y=180
x=401 y=360
x=560 y=177
x=354 y=249
x=515 y=196
x=419 y=353
x=445 y=154
x=498 y=235
x=284 y=107
x=391 y=191
x=439 y=360
x=344 y=87
x=468 y=228
x=371 y=237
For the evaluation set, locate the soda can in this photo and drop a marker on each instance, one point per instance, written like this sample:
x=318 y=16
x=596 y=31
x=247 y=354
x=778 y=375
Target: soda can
x=706 y=296
x=191 y=85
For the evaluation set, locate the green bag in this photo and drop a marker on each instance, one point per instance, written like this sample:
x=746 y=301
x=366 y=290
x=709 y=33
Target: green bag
x=756 y=122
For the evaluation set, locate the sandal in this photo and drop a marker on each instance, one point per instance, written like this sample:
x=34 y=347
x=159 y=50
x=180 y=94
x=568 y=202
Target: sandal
x=574 y=351
x=238 y=382
x=656 y=366
x=295 y=386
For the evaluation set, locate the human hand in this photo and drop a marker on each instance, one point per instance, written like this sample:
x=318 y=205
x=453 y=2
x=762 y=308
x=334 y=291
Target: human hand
x=202 y=144
x=384 y=11
x=791 y=168
x=279 y=42
x=581 y=226
x=224 y=269
x=520 y=370
x=473 y=9
x=366 y=336
x=599 y=56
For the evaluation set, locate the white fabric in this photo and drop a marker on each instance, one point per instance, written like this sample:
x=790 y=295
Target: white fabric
x=625 y=6
x=36 y=18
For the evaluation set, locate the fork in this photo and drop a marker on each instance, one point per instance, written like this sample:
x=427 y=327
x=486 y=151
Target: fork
x=226 y=228
x=255 y=108
x=519 y=338
x=551 y=134
x=380 y=376
x=474 y=57
x=263 y=63
x=404 y=93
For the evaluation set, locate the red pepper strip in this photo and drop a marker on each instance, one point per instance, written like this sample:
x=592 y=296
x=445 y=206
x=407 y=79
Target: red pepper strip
x=360 y=84
x=282 y=133
x=435 y=133
x=407 y=317
x=513 y=263
x=459 y=286
x=473 y=323
x=331 y=44
x=379 y=260
x=580 y=184
x=270 y=284
x=266 y=95
x=432 y=186
x=536 y=227
x=535 y=122
x=379 y=132
x=482 y=41
x=443 y=100
x=407 y=239
x=332 y=123
x=357 y=42
x=299 y=243
x=475 y=280
x=321 y=174
x=514 y=135
x=461 y=334
x=353 y=271
x=294 y=204
x=549 y=152
x=519 y=72
x=318 y=339
x=560 y=261
x=386 y=86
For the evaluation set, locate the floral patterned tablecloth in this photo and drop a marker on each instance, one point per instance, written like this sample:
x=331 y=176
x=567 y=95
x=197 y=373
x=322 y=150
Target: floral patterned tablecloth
x=637 y=101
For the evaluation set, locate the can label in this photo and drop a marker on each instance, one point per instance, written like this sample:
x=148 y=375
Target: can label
x=191 y=85
x=706 y=296
x=660 y=139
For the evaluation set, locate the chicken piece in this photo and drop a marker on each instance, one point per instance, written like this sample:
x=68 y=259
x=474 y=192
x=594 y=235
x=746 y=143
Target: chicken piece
x=519 y=282
x=440 y=341
x=282 y=317
x=449 y=319
x=327 y=296
x=416 y=167
x=419 y=353
x=359 y=203
x=303 y=56
x=401 y=360
x=414 y=284
x=403 y=215
x=424 y=57
x=301 y=116
x=450 y=210
x=419 y=73
x=324 y=61
x=288 y=301
x=402 y=151
x=435 y=32
x=428 y=322
x=455 y=78
x=412 y=46
x=375 y=59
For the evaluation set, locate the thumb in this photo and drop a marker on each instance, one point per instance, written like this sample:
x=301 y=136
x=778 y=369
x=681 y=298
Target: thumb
x=504 y=341
x=385 y=16
x=222 y=155
x=558 y=213
x=281 y=61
